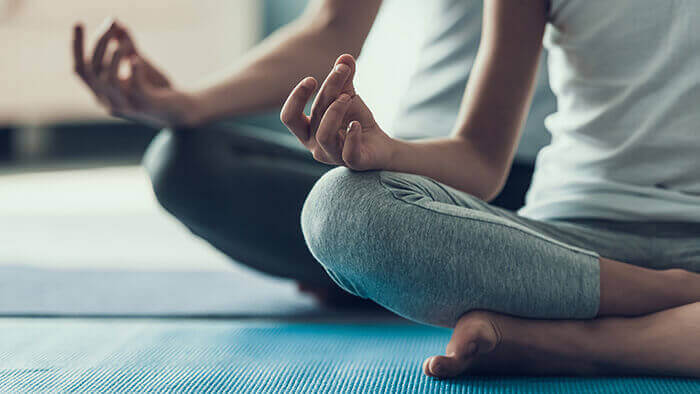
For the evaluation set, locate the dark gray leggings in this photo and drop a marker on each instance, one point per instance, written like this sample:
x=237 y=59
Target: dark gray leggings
x=241 y=189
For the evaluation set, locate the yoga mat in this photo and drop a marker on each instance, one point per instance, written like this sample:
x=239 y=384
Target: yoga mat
x=238 y=292
x=224 y=356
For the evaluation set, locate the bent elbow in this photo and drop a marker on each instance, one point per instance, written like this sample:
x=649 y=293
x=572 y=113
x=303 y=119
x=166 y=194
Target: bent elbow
x=491 y=194
x=494 y=185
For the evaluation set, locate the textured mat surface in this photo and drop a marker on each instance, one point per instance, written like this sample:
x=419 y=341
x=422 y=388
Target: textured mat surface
x=177 y=355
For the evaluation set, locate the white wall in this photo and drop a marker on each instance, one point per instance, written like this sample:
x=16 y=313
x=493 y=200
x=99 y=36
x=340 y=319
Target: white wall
x=190 y=38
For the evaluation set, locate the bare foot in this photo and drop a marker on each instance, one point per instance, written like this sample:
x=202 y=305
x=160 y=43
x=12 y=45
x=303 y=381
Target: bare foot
x=484 y=343
x=476 y=335
x=487 y=343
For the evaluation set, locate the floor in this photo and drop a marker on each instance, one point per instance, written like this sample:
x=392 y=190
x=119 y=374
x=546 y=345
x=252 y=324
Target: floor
x=99 y=218
x=100 y=290
x=94 y=242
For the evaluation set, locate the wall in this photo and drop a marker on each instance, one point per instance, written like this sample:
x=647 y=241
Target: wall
x=189 y=38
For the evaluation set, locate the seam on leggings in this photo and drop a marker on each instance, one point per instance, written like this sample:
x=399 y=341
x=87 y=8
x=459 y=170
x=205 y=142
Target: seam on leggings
x=495 y=221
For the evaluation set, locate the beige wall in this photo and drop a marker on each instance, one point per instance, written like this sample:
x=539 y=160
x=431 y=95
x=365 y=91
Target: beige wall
x=188 y=38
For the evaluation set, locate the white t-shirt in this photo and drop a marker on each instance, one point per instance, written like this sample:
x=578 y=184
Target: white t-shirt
x=626 y=135
x=430 y=106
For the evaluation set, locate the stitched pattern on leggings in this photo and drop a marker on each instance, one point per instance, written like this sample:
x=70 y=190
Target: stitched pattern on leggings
x=473 y=214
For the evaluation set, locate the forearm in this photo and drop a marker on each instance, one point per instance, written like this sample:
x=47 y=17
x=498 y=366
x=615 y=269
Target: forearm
x=264 y=78
x=478 y=157
x=453 y=161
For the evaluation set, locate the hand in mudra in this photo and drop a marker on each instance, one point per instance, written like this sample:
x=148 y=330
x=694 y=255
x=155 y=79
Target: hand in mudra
x=341 y=129
x=144 y=95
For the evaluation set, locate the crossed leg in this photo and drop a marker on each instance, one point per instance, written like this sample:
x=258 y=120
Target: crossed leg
x=435 y=255
x=660 y=343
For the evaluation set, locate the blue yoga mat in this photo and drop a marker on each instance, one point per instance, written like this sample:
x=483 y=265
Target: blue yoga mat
x=195 y=356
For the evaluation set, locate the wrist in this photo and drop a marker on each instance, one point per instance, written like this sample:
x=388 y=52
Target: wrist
x=192 y=113
x=397 y=150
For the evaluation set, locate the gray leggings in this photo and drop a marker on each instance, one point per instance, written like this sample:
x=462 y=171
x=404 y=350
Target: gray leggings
x=431 y=253
x=422 y=249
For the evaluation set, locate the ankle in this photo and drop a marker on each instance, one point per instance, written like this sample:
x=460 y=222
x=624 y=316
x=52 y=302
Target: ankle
x=552 y=346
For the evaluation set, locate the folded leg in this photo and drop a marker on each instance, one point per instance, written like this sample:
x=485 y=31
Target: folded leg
x=431 y=253
x=241 y=189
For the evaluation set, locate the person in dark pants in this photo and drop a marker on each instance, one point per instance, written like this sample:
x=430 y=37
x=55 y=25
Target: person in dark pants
x=241 y=188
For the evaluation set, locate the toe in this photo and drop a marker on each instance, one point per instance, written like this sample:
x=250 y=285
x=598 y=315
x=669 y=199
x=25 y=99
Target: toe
x=474 y=337
x=426 y=367
x=446 y=366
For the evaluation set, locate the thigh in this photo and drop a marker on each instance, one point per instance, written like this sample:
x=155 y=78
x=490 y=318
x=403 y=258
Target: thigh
x=613 y=240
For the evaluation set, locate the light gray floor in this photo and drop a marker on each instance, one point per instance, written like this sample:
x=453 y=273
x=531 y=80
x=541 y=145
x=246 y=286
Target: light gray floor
x=103 y=218
x=27 y=291
x=94 y=241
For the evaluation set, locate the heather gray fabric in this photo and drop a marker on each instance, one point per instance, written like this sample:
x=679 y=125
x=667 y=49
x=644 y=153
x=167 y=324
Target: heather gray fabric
x=430 y=253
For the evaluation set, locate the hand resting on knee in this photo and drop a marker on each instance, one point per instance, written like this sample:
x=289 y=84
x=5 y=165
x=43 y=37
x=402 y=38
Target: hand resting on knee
x=341 y=129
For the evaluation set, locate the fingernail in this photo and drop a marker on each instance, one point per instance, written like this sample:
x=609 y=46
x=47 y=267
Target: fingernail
x=351 y=126
x=344 y=98
x=342 y=68
x=308 y=83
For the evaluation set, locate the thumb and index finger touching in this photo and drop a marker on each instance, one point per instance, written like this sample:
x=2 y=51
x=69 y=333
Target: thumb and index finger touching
x=292 y=114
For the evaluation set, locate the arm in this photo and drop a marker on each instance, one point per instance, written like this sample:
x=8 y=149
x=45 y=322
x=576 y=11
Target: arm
x=478 y=156
x=307 y=46
x=260 y=81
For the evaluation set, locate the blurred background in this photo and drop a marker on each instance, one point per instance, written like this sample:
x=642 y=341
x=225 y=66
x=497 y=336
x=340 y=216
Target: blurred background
x=47 y=115
x=74 y=202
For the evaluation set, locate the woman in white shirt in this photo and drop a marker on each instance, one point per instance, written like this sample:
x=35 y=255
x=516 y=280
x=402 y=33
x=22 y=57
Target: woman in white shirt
x=618 y=189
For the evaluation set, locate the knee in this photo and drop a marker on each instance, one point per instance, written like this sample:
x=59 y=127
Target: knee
x=332 y=212
x=349 y=220
x=172 y=161
x=335 y=220
x=375 y=242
